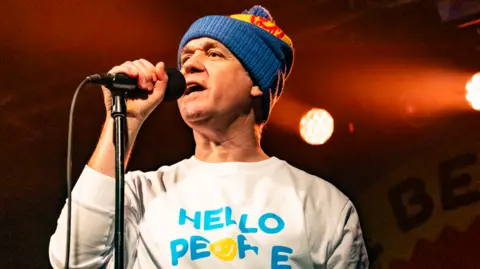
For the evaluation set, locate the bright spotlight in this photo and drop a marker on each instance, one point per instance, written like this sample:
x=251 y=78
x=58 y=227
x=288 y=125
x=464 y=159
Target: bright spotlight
x=316 y=126
x=473 y=91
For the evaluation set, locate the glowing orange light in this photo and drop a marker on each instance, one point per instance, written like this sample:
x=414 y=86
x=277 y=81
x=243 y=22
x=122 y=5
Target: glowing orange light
x=473 y=91
x=316 y=126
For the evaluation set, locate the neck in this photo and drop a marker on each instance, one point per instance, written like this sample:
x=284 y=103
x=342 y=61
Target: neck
x=237 y=142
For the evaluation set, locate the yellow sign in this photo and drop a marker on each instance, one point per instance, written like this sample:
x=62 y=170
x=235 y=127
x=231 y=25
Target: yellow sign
x=436 y=193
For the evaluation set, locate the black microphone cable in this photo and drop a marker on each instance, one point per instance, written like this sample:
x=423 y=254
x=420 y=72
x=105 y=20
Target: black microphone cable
x=174 y=89
x=69 y=170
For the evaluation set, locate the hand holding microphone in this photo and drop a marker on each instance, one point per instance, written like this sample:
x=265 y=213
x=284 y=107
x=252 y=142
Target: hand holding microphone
x=150 y=86
x=146 y=85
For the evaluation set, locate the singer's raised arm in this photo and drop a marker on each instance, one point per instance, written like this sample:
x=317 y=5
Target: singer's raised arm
x=93 y=197
x=103 y=158
x=93 y=208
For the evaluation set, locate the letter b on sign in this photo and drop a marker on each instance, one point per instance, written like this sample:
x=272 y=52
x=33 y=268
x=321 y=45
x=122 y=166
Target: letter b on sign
x=411 y=203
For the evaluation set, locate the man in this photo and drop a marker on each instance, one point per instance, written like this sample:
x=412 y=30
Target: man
x=230 y=205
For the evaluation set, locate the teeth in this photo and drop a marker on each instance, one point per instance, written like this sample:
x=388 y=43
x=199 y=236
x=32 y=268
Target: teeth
x=194 y=87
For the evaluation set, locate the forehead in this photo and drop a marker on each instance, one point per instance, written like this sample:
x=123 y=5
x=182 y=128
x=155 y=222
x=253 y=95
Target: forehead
x=203 y=43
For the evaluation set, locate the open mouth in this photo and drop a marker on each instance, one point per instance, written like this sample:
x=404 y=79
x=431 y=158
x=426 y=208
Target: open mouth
x=194 y=87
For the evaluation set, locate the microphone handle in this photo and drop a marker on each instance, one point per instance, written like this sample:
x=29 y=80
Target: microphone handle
x=122 y=82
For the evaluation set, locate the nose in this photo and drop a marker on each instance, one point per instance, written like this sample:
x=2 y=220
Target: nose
x=194 y=64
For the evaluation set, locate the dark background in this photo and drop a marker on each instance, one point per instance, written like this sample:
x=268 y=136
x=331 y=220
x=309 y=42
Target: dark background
x=394 y=70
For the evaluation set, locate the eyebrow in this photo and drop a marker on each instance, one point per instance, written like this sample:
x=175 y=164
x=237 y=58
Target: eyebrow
x=206 y=45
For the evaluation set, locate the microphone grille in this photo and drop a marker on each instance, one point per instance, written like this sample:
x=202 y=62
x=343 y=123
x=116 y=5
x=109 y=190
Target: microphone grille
x=176 y=84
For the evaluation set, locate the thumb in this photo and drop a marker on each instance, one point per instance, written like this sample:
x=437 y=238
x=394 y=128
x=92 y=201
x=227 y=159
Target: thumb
x=162 y=79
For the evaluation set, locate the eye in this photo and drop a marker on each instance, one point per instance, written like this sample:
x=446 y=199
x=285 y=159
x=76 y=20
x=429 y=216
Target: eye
x=214 y=54
x=184 y=59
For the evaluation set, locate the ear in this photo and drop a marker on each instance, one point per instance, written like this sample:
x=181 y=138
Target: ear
x=256 y=104
x=256 y=92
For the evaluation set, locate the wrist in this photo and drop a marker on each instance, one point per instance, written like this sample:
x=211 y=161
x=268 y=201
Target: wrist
x=132 y=123
x=133 y=126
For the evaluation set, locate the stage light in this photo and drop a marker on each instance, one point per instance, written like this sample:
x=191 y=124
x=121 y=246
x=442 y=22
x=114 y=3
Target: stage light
x=316 y=126
x=473 y=91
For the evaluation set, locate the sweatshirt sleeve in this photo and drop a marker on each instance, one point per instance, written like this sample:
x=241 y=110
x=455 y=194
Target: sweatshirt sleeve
x=92 y=224
x=348 y=249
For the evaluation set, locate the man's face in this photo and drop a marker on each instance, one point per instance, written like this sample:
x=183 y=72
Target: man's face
x=218 y=87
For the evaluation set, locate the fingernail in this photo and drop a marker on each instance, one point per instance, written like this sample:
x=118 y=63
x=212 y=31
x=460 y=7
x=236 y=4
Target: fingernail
x=132 y=71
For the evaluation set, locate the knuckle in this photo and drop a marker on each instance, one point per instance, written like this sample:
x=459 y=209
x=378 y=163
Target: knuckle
x=147 y=63
x=114 y=69
x=126 y=66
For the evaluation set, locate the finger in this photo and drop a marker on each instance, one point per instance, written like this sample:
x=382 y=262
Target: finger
x=146 y=64
x=162 y=79
x=145 y=81
x=141 y=82
x=150 y=67
x=160 y=71
x=124 y=68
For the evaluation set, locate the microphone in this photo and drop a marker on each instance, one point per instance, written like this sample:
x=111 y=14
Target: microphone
x=175 y=87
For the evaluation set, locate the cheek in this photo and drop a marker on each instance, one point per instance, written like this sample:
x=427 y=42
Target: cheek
x=232 y=88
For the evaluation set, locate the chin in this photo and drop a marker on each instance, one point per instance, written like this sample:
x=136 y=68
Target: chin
x=194 y=114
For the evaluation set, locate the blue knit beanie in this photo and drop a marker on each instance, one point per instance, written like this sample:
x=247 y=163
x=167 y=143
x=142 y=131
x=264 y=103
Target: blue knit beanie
x=264 y=50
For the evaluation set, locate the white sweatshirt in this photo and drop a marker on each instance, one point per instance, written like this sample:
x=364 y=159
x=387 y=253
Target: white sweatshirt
x=200 y=215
